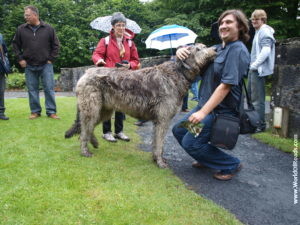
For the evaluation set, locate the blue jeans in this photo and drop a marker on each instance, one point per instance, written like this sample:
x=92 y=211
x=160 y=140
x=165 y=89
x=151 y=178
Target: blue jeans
x=2 y=89
x=33 y=75
x=185 y=102
x=194 y=89
x=200 y=149
x=256 y=89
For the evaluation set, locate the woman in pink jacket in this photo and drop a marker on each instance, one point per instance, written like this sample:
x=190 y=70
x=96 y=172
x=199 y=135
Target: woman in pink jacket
x=118 y=48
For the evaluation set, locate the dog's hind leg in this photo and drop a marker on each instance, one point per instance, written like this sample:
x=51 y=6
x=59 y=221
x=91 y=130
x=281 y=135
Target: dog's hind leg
x=89 y=118
x=87 y=134
x=160 y=130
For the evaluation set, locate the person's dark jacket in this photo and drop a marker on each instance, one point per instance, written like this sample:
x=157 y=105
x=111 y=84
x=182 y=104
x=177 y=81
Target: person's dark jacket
x=36 y=48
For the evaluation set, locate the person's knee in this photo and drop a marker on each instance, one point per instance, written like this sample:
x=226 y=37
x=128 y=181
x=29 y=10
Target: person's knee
x=194 y=148
x=175 y=131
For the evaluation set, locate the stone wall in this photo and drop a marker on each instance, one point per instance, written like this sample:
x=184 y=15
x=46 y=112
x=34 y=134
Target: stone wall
x=286 y=82
x=69 y=76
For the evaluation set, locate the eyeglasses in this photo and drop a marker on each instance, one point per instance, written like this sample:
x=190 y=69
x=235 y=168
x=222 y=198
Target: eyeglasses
x=122 y=25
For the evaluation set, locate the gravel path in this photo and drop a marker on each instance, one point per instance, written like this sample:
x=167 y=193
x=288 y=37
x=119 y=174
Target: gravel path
x=261 y=194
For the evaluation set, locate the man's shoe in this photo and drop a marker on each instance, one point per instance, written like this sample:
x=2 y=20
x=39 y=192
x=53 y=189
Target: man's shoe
x=34 y=116
x=198 y=165
x=54 y=116
x=122 y=136
x=3 y=117
x=139 y=123
x=225 y=177
x=109 y=137
x=260 y=129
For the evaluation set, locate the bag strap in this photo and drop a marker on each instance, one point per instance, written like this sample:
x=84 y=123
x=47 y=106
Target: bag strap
x=248 y=99
x=2 y=52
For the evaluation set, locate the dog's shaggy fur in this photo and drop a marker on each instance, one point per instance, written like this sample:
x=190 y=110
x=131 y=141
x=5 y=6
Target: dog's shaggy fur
x=153 y=93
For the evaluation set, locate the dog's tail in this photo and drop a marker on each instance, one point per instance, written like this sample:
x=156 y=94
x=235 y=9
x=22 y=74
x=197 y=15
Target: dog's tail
x=75 y=128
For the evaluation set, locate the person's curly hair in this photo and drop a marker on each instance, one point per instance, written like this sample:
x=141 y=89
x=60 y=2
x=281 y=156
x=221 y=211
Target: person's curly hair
x=243 y=23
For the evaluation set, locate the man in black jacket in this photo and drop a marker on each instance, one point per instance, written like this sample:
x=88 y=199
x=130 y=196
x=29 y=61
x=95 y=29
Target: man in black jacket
x=3 y=52
x=36 y=46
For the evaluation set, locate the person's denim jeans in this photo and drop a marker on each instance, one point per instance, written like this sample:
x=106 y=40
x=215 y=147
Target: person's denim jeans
x=194 y=88
x=33 y=75
x=200 y=149
x=2 y=89
x=256 y=89
x=185 y=102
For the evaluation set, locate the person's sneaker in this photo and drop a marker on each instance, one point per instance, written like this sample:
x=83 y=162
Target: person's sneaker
x=260 y=129
x=122 y=136
x=34 y=116
x=54 y=116
x=109 y=137
x=139 y=123
x=3 y=117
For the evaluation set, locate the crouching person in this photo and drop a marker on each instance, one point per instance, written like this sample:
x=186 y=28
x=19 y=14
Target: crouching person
x=220 y=93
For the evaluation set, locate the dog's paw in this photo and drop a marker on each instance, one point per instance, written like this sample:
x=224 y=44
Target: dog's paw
x=162 y=165
x=87 y=154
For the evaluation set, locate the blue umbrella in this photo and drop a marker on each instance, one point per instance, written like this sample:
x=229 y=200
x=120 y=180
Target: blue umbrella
x=170 y=36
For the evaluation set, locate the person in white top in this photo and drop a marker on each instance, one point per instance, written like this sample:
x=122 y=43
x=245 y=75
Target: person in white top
x=262 y=62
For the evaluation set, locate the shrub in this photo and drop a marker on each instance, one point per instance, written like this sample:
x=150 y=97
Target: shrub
x=16 y=81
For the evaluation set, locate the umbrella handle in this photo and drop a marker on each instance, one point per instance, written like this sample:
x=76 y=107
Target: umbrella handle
x=171 y=45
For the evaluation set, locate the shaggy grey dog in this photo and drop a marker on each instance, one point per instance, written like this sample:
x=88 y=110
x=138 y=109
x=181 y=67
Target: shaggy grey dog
x=153 y=93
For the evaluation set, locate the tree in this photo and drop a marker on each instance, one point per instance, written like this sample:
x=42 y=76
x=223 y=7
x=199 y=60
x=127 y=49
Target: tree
x=198 y=15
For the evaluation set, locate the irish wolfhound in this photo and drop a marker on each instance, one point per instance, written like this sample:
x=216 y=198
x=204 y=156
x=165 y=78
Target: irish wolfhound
x=153 y=93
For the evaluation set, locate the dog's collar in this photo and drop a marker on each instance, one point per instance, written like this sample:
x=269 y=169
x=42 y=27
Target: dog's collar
x=186 y=67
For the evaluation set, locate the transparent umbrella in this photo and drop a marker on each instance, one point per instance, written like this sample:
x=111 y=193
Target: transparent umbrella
x=104 y=24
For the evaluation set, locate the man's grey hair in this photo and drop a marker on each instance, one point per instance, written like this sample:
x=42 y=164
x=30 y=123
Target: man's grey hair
x=32 y=8
x=117 y=17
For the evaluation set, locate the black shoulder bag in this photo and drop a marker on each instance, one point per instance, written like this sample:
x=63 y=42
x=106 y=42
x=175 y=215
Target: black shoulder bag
x=4 y=62
x=225 y=131
x=249 y=118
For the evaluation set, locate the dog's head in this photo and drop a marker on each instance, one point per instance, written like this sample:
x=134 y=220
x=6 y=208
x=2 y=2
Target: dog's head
x=199 y=58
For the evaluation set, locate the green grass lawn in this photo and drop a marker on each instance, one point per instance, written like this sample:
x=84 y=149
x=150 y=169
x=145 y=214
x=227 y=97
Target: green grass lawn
x=283 y=144
x=44 y=180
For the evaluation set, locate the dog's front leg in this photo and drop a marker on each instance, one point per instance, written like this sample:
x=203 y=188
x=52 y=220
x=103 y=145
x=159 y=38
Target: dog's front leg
x=160 y=130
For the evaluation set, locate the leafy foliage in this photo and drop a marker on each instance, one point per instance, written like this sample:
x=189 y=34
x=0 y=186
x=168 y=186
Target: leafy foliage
x=71 y=20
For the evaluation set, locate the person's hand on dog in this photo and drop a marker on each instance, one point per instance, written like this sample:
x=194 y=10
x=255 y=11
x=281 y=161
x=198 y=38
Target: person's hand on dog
x=100 y=62
x=182 y=53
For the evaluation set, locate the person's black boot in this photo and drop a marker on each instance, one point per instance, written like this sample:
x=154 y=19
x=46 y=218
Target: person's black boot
x=3 y=117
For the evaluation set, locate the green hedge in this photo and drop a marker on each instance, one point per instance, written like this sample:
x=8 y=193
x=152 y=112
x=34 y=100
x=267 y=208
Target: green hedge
x=17 y=81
